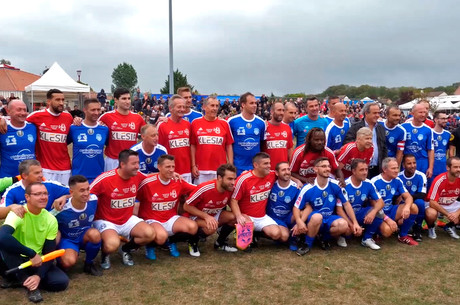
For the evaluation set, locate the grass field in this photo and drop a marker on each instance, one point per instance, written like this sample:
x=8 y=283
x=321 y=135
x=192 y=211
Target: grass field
x=397 y=274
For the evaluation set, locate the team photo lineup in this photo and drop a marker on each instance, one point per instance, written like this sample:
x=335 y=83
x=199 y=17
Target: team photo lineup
x=307 y=175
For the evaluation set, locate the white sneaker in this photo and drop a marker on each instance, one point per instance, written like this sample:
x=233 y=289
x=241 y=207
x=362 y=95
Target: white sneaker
x=126 y=258
x=451 y=231
x=432 y=233
x=342 y=242
x=105 y=262
x=225 y=247
x=193 y=250
x=370 y=243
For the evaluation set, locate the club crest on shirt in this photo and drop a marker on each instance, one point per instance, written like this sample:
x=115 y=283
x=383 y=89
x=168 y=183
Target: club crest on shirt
x=281 y=193
x=19 y=133
x=249 y=125
x=324 y=194
x=30 y=138
x=99 y=137
x=90 y=131
x=256 y=131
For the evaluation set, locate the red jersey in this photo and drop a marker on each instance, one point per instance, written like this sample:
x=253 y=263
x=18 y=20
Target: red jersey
x=176 y=138
x=304 y=164
x=443 y=191
x=52 y=129
x=278 y=139
x=206 y=198
x=349 y=152
x=252 y=193
x=158 y=201
x=211 y=139
x=116 y=196
x=123 y=131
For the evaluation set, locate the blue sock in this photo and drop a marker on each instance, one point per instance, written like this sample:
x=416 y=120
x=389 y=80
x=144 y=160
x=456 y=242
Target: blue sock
x=309 y=241
x=407 y=224
x=421 y=211
x=371 y=229
x=92 y=249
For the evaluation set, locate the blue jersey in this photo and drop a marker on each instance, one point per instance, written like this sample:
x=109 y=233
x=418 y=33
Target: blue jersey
x=248 y=136
x=441 y=145
x=335 y=135
x=72 y=222
x=303 y=125
x=322 y=200
x=88 y=149
x=418 y=140
x=193 y=114
x=346 y=121
x=16 y=193
x=395 y=138
x=414 y=184
x=148 y=162
x=360 y=195
x=16 y=145
x=388 y=190
x=281 y=200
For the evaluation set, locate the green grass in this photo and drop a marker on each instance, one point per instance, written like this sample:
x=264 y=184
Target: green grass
x=397 y=274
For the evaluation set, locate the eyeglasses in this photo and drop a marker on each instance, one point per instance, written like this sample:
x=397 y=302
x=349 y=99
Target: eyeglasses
x=39 y=194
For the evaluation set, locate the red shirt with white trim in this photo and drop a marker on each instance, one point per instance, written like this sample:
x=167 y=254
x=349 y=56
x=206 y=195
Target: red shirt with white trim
x=176 y=138
x=252 y=193
x=207 y=198
x=158 y=199
x=349 y=152
x=123 y=131
x=52 y=131
x=443 y=191
x=211 y=139
x=278 y=139
x=304 y=164
x=116 y=196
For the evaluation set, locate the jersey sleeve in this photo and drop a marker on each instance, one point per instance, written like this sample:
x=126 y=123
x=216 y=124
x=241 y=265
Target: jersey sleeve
x=301 y=200
x=332 y=159
x=423 y=183
x=162 y=137
x=239 y=190
x=13 y=220
x=341 y=193
x=290 y=142
x=373 y=194
x=229 y=138
x=195 y=197
x=187 y=188
x=430 y=144
x=400 y=186
x=402 y=139
x=193 y=135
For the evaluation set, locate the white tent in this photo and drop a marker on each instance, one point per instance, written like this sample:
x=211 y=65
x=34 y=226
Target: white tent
x=408 y=105
x=56 y=78
x=367 y=99
x=447 y=106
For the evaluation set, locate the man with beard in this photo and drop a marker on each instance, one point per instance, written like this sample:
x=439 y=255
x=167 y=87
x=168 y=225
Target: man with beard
x=440 y=144
x=395 y=135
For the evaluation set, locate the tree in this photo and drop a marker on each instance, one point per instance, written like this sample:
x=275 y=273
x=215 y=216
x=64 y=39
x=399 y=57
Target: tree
x=5 y=62
x=180 y=80
x=124 y=76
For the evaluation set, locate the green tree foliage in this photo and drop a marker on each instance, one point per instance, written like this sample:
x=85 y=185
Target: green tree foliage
x=180 y=80
x=5 y=62
x=125 y=76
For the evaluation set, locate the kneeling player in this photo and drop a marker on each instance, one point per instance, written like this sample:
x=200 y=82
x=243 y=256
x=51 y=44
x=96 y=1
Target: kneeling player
x=75 y=220
x=159 y=196
x=319 y=200
x=206 y=204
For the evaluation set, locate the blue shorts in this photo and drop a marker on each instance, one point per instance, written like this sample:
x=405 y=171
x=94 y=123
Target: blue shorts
x=361 y=214
x=74 y=244
x=422 y=164
x=391 y=212
x=327 y=221
x=285 y=221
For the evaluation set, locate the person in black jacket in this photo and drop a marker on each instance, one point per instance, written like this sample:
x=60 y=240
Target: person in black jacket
x=371 y=112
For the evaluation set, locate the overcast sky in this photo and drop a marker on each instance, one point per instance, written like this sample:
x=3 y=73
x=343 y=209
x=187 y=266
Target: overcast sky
x=230 y=47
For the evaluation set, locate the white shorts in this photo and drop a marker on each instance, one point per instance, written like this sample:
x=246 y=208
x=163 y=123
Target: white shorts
x=187 y=177
x=55 y=175
x=262 y=222
x=216 y=216
x=204 y=177
x=110 y=164
x=452 y=208
x=123 y=230
x=167 y=225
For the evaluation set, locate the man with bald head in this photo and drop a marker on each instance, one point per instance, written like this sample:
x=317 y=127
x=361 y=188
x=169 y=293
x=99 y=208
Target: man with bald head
x=334 y=100
x=338 y=128
x=419 y=140
x=290 y=113
x=18 y=143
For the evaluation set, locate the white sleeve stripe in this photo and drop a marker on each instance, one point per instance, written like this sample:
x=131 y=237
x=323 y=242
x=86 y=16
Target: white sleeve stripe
x=200 y=191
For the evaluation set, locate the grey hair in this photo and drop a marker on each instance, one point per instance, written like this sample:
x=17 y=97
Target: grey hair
x=206 y=100
x=367 y=108
x=364 y=131
x=386 y=161
x=172 y=99
x=24 y=166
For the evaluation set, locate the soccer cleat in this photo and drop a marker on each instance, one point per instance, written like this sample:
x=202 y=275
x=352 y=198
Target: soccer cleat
x=417 y=233
x=193 y=250
x=92 y=269
x=105 y=261
x=324 y=244
x=7 y=283
x=225 y=247
x=408 y=240
x=342 y=242
x=150 y=253
x=173 y=250
x=34 y=296
x=432 y=233
x=451 y=231
x=370 y=243
x=293 y=246
x=126 y=258
x=302 y=250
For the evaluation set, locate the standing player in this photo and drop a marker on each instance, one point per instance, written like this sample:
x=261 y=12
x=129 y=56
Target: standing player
x=334 y=100
x=305 y=123
x=398 y=202
x=278 y=137
x=290 y=113
x=18 y=143
x=361 y=149
x=210 y=142
x=443 y=196
x=124 y=126
x=149 y=150
x=159 y=197
x=248 y=132
x=416 y=185
x=189 y=115
x=319 y=201
x=75 y=221
x=53 y=126
x=338 y=128
x=394 y=133
x=419 y=140
x=440 y=142
x=174 y=135
x=88 y=141
x=116 y=191
x=206 y=205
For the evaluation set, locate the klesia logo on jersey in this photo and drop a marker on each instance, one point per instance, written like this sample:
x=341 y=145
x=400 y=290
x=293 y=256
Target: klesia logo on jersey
x=163 y=206
x=260 y=196
x=122 y=203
